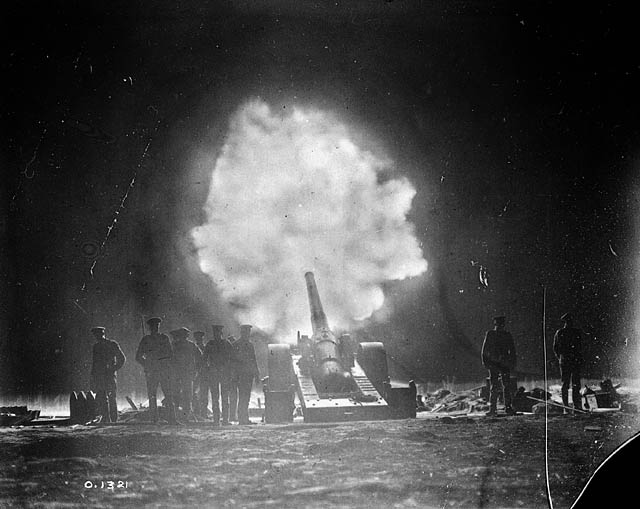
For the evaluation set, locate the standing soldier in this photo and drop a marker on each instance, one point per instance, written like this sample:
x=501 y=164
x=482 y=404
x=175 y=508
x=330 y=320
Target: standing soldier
x=499 y=357
x=107 y=359
x=567 y=345
x=233 y=382
x=187 y=360
x=247 y=366
x=154 y=354
x=217 y=356
x=200 y=383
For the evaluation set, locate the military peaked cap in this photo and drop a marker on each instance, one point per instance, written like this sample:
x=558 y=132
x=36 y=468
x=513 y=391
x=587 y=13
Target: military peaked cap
x=182 y=332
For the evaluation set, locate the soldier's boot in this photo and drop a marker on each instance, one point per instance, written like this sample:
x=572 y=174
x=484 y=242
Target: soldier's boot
x=225 y=410
x=200 y=407
x=243 y=416
x=153 y=410
x=233 y=405
x=507 y=402
x=493 y=401
x=577 y=399
x=171 y=412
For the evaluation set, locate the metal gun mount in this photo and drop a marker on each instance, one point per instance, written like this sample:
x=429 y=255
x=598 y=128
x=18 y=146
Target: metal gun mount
x=334 y=379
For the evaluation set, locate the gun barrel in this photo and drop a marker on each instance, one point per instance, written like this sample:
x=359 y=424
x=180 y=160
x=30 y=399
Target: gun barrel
x=318 y=318
x=329 y=375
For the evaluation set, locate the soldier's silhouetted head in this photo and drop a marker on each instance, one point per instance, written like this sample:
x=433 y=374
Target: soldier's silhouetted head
x=245 y=331
x=499 y=321
x=217 y=331
x=98 y=332
x=154 y=323
x=181 y=333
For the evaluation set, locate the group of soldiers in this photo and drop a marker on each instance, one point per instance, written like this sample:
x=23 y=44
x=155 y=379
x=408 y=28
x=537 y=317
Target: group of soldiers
x=499 y=357
x=186 y=371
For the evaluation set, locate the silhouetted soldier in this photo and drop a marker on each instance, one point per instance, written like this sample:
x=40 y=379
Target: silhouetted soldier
x=217 y=355
x=567 y=345
x=200 y=383
x=187 y=360
x=233 y=383
x=107 y=359
x=155 y=354
x=247 y=369
x=499 y=357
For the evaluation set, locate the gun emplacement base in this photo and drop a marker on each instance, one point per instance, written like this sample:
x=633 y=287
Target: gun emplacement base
x=287 y=380
x=334 y=379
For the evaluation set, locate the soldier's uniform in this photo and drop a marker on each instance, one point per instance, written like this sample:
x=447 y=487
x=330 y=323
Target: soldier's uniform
x=217 y=356
x=187 y=360
x=155 y=354
x=499 y=357
x=567 y=346
x=200 y=383
x=233 y=383
x=107 y=359
x=247 y=370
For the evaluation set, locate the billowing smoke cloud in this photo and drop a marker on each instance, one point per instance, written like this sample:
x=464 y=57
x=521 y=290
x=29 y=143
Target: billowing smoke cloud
x=291 y=193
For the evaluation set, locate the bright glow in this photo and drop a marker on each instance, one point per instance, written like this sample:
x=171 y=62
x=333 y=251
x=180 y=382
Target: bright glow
x=292 y=193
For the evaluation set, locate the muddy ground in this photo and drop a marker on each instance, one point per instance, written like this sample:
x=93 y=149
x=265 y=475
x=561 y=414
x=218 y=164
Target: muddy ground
x=425 y=462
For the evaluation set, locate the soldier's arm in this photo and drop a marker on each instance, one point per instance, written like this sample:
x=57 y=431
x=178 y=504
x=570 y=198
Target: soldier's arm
x=170 y=349
x=205 y=356
x=485 y=350
x=556 y=344
x=119 y=356
x=512 y=352
x=254 y=362
x=140 y=353
x=197 y=353
x=93 y=376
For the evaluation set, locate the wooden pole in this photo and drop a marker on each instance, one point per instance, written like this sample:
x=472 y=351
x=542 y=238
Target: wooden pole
x=553 y=403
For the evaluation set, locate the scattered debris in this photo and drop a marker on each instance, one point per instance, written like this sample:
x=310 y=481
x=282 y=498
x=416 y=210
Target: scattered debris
x=630 y=408
x=550 y=408
x=17 y=415
x=602 y=396
x=445 y=401
x=131 y=403
x=524 y=401
x=552 y=403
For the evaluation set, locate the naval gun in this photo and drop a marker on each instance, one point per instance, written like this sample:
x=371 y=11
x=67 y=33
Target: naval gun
x=333 y=378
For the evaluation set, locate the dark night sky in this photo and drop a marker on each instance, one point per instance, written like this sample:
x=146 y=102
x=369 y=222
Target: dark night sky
x=517 y=122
